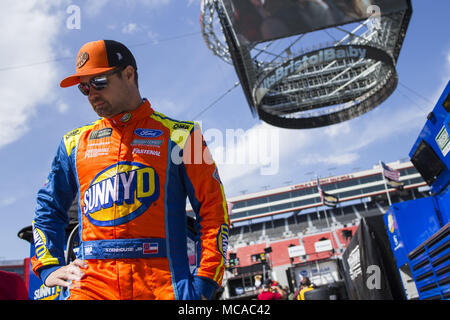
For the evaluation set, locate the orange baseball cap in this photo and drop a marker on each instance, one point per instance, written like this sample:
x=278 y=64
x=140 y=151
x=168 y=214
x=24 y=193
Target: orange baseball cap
x=97 y=57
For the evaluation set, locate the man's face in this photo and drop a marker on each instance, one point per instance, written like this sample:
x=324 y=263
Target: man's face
x=111 y=100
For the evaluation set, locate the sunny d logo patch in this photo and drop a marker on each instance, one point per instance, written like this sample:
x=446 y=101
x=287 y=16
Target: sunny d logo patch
x=120 y=193
x=40 y=243
x=390 y=223
x=222 y=240
x=46 y=293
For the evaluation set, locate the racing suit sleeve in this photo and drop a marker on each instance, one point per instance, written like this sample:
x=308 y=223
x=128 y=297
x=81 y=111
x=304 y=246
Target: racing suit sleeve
x=207 y=197
x=51 y=219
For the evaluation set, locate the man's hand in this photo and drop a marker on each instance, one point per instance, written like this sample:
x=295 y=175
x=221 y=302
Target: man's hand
x=65 y=275
x=280 y=290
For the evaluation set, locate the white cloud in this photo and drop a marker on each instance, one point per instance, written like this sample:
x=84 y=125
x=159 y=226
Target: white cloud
x=340 y=159
x=166 y=106
x=446 y=72
x=337 y=129
x=153 y=36
x=7 y=201
x=25 y=81
x=333 y=146
x=193 y=2
x=151 y=3
x=130 y=28
x=383 y=125
x=93 y=8
x=62 y=107
x=239 y=152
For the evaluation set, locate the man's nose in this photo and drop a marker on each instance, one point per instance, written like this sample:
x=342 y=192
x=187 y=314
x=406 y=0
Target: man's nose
x=93 y=93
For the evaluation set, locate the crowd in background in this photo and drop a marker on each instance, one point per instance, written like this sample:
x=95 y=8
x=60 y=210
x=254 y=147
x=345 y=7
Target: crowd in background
x=272 y=290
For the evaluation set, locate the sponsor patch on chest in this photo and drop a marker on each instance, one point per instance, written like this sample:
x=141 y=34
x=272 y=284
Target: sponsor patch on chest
x=120 y=193
x=148 y=152
x=102 y=133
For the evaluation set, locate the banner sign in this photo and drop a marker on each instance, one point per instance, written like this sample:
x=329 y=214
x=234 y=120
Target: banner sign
x=322 y=246
x=364 y=270
x=296 y=251
x=258 y=20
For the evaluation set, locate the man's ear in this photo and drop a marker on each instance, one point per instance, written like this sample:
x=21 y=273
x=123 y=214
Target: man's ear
x=129 y=73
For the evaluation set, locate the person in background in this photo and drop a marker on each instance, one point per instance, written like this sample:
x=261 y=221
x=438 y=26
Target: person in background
x=12 y=286
x=305 y=286
x=271 y=291
x=258 y=283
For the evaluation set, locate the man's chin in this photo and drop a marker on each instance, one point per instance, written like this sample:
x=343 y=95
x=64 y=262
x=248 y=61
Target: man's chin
x=102 y=113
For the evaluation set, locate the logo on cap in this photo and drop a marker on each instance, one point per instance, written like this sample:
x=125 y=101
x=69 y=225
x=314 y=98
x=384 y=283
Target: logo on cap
x=82 y=58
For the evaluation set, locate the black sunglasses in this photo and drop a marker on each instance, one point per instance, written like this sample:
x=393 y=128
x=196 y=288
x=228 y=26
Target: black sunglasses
x=98 y=83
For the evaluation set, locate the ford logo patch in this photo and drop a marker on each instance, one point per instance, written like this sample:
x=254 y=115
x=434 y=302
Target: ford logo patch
x=148 y=133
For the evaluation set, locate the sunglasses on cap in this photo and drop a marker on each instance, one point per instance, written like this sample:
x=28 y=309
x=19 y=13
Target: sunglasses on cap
x=98 y=83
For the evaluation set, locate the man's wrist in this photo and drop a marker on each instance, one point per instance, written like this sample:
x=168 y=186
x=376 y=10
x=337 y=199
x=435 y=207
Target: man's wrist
x=46 y=271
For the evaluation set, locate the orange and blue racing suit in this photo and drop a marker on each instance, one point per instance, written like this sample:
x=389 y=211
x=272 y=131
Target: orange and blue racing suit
x=132 y=174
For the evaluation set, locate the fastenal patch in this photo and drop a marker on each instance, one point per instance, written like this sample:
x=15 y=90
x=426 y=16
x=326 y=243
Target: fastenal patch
x=102 y=133
x=222 y=240
x=146 y=151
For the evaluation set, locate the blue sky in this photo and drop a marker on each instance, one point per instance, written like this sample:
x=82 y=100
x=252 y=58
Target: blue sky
x=181 y=77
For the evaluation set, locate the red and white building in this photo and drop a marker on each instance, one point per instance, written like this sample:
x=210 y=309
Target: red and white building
x=297 y=235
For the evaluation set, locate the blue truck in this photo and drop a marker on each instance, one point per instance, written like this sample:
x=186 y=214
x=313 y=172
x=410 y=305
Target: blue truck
x=418 y=230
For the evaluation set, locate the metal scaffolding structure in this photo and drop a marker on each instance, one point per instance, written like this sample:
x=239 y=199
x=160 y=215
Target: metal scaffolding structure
x=317 y=91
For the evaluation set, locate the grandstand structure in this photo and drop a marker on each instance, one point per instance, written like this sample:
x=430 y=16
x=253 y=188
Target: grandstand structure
x=269 y=223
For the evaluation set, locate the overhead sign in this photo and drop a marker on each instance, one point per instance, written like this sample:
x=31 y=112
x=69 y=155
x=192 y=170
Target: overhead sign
x=322 y=246
x=303 y=62
x=318 y=57
x=296 y=251
x=289 y=87
x=265 y=91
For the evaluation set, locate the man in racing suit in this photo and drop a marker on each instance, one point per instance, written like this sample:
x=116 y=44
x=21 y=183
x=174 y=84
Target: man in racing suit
x=132 y=171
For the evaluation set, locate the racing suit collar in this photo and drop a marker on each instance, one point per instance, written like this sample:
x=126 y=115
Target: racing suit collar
x=125 y=118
